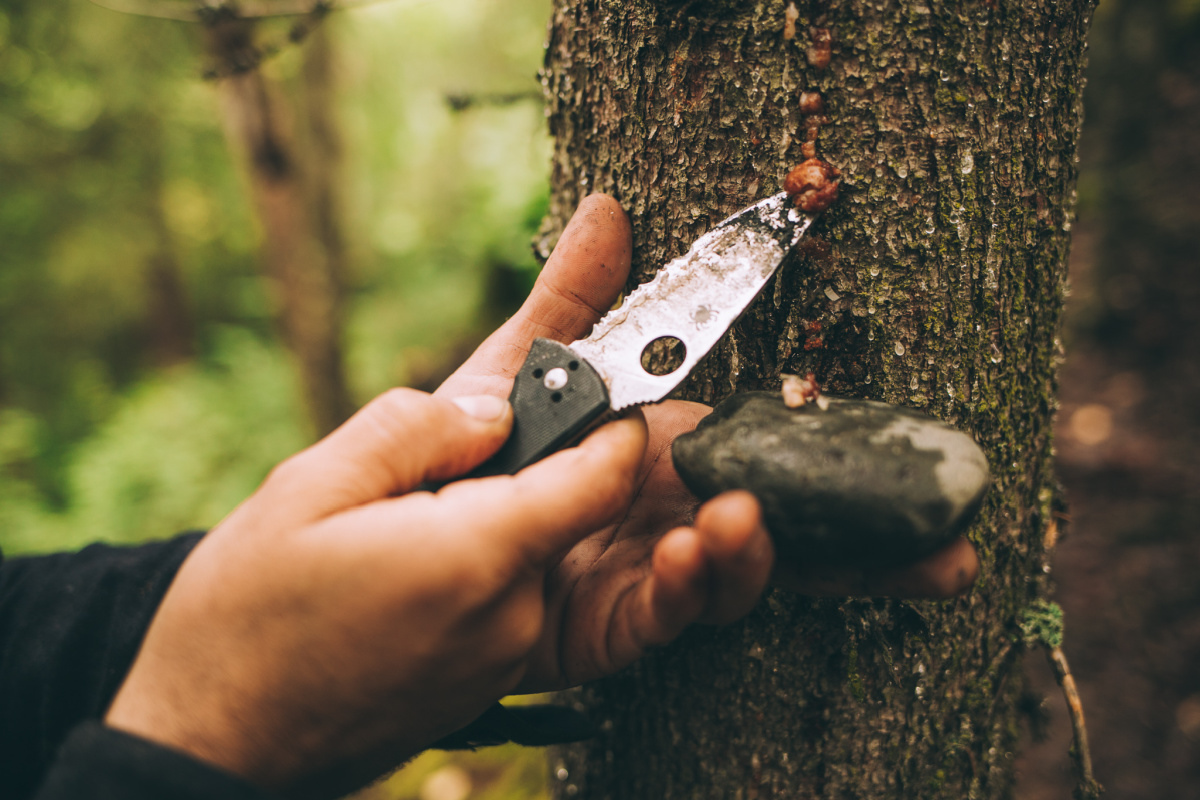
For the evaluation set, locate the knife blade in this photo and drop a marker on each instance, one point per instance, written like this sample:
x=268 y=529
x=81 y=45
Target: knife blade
x=561 y=391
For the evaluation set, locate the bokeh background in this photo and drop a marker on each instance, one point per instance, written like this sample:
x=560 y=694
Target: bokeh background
x=149 y=378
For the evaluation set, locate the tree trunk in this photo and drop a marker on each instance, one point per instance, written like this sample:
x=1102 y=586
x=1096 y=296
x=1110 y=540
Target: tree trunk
x=291 y=182
x=169 y=325
x=936 y=281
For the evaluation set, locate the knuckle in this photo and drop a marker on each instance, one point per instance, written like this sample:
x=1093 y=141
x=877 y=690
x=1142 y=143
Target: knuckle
x=479 y=577
x=522 y=623
x=948 y=585
x=286 y=472
x=400 y=415
x=499 y=600
x=396 y=403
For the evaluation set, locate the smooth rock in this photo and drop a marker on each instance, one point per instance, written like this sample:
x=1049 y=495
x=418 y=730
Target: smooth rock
x=860 y=482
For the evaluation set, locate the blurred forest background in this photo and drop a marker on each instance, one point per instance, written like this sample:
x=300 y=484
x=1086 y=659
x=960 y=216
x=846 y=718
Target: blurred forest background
x=218 y=239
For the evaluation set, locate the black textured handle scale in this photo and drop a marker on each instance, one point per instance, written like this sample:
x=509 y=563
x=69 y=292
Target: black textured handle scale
x=555 y=398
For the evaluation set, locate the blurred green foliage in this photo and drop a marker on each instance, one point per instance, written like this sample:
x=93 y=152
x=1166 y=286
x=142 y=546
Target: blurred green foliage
x=508 y=772
x=112 y=161
x=180 y=446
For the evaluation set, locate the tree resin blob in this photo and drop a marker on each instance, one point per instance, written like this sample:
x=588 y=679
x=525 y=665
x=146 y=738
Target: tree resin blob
x=813 y=185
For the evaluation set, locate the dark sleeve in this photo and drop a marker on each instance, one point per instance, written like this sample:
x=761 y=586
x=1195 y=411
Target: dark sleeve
x=99 y=763
x=70 y=626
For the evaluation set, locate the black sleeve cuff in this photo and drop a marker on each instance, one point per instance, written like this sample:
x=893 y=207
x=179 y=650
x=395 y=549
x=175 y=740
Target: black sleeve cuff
x=70 y=627
x=99 y=763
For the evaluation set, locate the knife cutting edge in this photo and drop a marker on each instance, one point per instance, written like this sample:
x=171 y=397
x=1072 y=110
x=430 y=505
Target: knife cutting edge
x=561 y=391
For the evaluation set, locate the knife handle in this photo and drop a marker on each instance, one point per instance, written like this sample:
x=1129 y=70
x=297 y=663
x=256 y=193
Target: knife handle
x=555 y=398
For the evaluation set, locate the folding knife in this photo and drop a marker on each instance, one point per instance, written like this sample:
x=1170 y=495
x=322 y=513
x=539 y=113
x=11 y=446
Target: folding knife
x=561 y=391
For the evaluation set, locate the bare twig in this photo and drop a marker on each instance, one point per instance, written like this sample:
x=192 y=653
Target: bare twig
x=212 y=13
x=1042 y=624
x=1088 y=788
x=249 y=56
x=461 y=102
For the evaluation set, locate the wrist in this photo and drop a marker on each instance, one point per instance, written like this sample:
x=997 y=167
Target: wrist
x=194 y=729
x=99 y=761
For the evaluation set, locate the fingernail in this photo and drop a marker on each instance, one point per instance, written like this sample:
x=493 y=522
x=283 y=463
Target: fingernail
x=483 y=407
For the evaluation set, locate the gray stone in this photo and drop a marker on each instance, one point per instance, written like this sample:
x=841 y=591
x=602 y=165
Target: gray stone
x=860 y=482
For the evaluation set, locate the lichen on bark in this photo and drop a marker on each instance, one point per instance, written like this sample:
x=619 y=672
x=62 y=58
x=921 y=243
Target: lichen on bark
x=935 y=281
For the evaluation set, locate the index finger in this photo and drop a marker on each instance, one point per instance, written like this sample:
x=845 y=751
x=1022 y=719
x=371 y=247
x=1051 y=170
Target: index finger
x=548 y=507
x=518 y=523
x=576 y=288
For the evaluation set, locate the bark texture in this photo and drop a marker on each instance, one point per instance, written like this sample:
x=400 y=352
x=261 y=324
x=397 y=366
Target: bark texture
x=936 y=281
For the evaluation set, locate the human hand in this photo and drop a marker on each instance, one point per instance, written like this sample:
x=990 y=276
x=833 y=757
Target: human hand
x=640 y=581
x=328 y=628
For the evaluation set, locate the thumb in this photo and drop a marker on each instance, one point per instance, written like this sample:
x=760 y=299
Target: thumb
x=396 y=442
x=551 y=505
x=578 y=285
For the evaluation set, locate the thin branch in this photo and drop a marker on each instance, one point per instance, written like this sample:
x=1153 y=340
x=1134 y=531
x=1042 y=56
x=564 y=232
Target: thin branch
x=289 y=8
x=248 y=57
x=1088 y=788
x=461 y=102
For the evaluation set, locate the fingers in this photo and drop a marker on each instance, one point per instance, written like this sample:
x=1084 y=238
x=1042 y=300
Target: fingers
x=399 y=440
x=945 y=574
x=579 y=283
x=740 y=553
x=713 y=572
x=529 y=518
x=656 y=609
x=726 y=577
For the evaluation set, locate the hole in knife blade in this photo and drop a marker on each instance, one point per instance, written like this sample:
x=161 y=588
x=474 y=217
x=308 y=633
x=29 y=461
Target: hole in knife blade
x=663 y=356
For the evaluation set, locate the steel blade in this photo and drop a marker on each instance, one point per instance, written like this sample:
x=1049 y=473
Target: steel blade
x=695 y=298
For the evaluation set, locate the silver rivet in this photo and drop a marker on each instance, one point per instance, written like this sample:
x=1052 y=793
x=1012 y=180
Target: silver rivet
x=556 y=378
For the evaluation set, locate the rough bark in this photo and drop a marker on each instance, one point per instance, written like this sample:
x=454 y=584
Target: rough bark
x=936 y=281
x=291 y=182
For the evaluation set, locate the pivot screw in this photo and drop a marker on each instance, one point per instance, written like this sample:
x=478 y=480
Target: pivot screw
x=556 y=379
